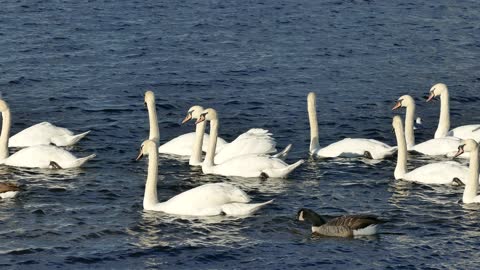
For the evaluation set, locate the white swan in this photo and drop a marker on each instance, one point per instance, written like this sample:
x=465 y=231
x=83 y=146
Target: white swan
x=471 y=186
x=243 y=165
x=462 y=132
x=436 y=173
x=181 y=145
x=39 y=156
x=434 y=147
x=205 y=200
x=348 y=147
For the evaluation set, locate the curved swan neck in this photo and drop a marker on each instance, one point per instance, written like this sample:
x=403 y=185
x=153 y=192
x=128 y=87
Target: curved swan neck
x=401 y=168
x=312 y=118
x=196 y=157
x=212 y=146
x=152 y=118
x=444 y=121
x=6 y=121
x=471 y=187
x=150 y=197
x=409 y=120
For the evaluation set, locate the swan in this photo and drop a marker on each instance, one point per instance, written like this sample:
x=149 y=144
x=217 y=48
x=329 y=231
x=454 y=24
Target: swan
x=243 y=165
x=471 y=186
x=344 y=226
x=462 y=132
x=38 y=156
x=8 y=190
x=447 y=172
x=45 y=133
x=206 y=200
x=348 y=147
x=181 y=145
x=434 y=147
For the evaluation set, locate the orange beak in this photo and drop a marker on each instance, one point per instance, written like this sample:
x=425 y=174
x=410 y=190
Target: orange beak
x=201 y=119
x=430 y=97
x=397 y=105
x=187 y=118
x=140 y=155
x=460 y=151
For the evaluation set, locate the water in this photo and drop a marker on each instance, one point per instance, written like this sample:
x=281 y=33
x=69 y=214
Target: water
x=86 y=66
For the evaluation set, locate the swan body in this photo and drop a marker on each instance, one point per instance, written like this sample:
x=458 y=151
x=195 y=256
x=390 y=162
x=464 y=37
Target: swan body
x=179 y=146
x=45 y=133
x=206 y=200
x=348 y=147
x=433 y=147
x=470 y=194
x=246 y=165
x=443 y=129
x=38 y=156
x=435 y=173
x=8 y=190
x=344 y=226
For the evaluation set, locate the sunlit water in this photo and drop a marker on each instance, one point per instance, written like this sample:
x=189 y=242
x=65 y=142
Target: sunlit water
x=85 y=66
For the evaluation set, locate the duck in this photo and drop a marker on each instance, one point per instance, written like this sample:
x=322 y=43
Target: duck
x=443 y=129
x=440 y=173
x=470 y=193
x=343 y=226
x=206 y=200
x=8 y=190
x=244 y=163
x=433 y=147
x=348 y=147
x=38 y=156
x=180 y=146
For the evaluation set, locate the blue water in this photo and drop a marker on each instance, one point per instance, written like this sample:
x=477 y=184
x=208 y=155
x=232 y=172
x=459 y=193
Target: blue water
x=86 y=64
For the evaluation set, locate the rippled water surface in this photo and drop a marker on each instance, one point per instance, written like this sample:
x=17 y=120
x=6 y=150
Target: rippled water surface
x=86 y=64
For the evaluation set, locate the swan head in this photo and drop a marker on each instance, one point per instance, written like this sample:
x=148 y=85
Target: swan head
x=403 y=101
x=397 y=122
x=311 y=97
x=3 y=106
x=437 y=90
x=147 y=147
x=193 y=113
x=149 y=97
x=468 y=145
x=207 y=115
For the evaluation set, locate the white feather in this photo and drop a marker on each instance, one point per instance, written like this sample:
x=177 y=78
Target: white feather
x=44 y=133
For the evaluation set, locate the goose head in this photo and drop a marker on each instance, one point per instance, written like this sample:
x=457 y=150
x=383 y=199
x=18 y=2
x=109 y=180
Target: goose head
x=3 y=106
x=468 y=145
x=149 y=98
x=403 y=101
x=193 y=113
x=207 y=115
x=148 y=146
x=437 y=90
x=309 y=215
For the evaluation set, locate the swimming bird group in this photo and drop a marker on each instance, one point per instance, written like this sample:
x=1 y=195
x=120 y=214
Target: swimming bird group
x=254 y=154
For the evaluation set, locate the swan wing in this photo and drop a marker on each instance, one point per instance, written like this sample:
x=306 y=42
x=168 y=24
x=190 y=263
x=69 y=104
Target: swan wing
x=40 y=156
x=252 y=165
x=441 y=173
x=466 y=132
x=183 y=144
x=355 y=147
x=438 y=146
x=38 y=134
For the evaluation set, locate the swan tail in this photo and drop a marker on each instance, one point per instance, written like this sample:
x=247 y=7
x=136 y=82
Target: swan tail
x=242 y=209
x=283 y=172
x=67 y=140
x=80 y=161
x=283 y=154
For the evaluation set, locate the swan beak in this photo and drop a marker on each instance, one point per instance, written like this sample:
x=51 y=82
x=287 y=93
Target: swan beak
x=397 y=105
x=460 y=151
x=430 y=97
x=140 y=155
x=201 y=119
x=187 y=118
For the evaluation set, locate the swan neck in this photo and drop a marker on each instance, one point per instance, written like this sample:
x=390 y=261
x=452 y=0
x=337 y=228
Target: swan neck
x=196 y=157
x=150 y=197
x=6 y=121
x=152 y=117
x=401 y=168
x=409 y=120
x=471 y=187
x=212 y=145
x=444 y=121
x=312 y=118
